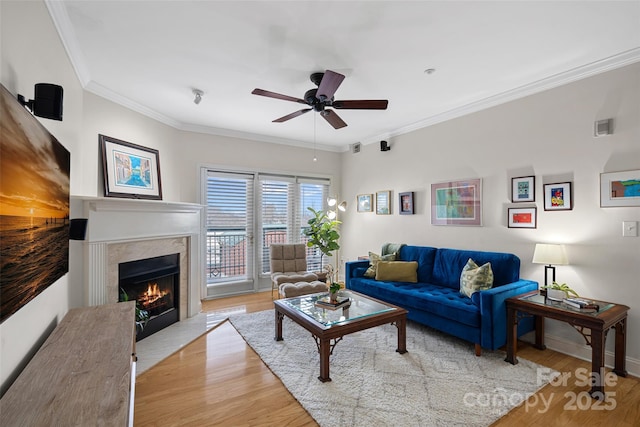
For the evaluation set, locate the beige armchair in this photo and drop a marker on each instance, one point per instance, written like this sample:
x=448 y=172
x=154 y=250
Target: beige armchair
x=289 y=264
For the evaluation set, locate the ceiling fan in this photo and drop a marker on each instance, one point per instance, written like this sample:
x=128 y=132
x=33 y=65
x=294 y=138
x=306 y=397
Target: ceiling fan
x=322 y=97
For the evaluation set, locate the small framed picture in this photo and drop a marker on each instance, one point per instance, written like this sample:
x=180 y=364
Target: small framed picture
x=557 y=197
x=406 y=203
x=364 y=202
x=383 y=202
x=522 y=217
x=130 y=171
x=620 y=189
x=523 y=189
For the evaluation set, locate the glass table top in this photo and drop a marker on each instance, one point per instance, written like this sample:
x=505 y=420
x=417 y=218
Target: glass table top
x=360 y=307
x=542 y=300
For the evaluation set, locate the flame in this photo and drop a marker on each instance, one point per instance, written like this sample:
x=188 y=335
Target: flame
x=152 y=294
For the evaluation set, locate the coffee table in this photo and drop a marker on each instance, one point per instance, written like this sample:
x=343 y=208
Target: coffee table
x=328 y=327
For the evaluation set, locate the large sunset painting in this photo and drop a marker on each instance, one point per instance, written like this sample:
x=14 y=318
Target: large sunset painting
x=34 y=207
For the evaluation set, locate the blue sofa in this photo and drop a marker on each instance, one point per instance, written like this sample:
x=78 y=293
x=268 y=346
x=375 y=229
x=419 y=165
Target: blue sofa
x=436 y=301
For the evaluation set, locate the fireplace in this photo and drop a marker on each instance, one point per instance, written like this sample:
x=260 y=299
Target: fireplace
x=155 y=284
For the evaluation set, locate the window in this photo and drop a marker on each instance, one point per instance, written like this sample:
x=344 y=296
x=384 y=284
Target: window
x=229 y=223
x=284 y=203
x=279 y=215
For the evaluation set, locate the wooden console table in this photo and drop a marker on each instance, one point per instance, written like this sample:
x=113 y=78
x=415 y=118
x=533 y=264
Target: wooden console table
x=592 y=326
x=83 y=375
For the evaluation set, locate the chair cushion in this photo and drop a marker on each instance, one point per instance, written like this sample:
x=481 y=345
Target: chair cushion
x=289 y=290
x=293 y=276
x=288 y=257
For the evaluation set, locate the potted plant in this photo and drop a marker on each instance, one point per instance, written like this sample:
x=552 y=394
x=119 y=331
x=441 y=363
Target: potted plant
x=322 y=233
x=142 y=316
x=334 y=287
x=558 y=292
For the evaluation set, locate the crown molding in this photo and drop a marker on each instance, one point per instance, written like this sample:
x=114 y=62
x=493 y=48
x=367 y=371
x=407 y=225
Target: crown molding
x=607 y=64
x=62 y=23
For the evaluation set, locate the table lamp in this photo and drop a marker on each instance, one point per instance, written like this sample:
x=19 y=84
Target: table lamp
x=551 y=255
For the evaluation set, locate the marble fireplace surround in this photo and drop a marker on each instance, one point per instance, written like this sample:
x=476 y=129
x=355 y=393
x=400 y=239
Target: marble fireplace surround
x=122 y=230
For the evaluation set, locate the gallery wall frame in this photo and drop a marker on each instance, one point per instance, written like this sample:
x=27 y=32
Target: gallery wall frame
x=558 y=197
x=130 y=170
x=457 y=202
x=406 y=203
x=364 y=202
x=383 y=202
x=620 y=189
x=523 y=189
x=522 y=217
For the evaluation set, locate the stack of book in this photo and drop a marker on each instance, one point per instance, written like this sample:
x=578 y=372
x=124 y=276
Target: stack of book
x=582 y=304
x=326 y=302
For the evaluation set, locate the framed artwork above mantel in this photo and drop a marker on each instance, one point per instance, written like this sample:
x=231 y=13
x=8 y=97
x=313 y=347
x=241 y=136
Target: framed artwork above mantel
x=130 y=171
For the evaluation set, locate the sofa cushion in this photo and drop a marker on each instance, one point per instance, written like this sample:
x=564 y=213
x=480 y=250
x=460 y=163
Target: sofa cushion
x=475 y=278
x=424 y=255
x=448 y=265
x=397 y=271
x=373 y=262
x=438 y=300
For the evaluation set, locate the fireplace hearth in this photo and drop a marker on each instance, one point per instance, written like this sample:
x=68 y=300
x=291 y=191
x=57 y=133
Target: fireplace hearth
x=155 y=285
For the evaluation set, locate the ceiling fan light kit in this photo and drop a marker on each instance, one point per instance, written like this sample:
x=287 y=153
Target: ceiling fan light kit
x=318 y=99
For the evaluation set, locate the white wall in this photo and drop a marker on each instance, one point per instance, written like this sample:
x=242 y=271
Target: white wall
x=28 y=59
x=549 y=135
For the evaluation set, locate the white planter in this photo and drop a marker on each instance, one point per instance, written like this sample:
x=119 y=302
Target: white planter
x=556 y=294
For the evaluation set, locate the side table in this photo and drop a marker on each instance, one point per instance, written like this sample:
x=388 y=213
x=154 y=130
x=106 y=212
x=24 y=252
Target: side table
x=592 y=325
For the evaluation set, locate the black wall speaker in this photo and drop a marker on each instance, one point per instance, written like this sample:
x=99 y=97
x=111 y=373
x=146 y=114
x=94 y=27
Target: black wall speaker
x=384 y=146
x=48 y=101
x=77 y=228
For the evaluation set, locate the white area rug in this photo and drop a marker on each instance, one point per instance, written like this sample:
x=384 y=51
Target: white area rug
x=439 y=382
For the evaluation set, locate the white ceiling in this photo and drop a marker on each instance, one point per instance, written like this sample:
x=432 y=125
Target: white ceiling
x=149 y=55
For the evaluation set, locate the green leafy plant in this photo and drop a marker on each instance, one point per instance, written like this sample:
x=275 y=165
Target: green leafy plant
x=322 y=233
x=561 y=287
x=334 y=287
x=142 y=316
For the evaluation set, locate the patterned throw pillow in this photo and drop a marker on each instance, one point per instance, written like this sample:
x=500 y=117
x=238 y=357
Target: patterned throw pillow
x=373 y=263
x=474 y=278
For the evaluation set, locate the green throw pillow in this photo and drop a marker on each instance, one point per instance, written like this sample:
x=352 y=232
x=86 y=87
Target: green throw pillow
x=373 y=262
x=397 y=271
x=474 y=278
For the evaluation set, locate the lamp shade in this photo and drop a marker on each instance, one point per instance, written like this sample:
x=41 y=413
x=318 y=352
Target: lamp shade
x=549 y=254
x=343 y=206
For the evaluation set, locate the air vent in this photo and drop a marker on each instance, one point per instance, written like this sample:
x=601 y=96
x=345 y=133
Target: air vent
x=355 y=148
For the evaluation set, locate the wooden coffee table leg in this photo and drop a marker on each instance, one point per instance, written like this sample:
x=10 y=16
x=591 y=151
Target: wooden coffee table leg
x=325 y=351
x=279 y=317
x=401 y=324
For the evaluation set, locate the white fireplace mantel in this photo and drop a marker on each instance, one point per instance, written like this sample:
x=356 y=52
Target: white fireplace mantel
x=119 y=230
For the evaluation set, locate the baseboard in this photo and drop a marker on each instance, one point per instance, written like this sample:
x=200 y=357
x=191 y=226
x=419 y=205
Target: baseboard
x=583 y=352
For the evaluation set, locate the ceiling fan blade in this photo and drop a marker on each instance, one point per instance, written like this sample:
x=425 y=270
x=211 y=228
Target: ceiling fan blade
x=292 y=115
x=269 y=94
x=328 y=85
x=333 y=119
x=364 y=104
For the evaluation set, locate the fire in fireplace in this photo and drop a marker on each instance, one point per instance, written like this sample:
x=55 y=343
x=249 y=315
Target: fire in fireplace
x=155 y=285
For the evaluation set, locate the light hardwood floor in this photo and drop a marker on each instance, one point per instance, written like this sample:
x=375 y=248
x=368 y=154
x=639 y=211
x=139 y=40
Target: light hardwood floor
x=218 y=380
